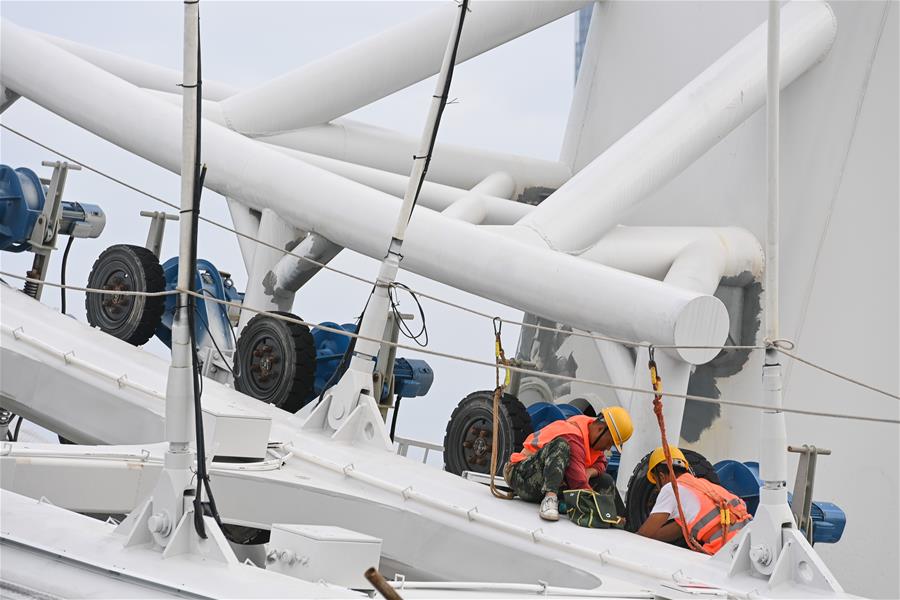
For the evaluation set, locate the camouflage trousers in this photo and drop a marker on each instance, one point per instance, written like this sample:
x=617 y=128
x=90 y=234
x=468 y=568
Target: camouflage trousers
x=545 y=472
x=542 y=472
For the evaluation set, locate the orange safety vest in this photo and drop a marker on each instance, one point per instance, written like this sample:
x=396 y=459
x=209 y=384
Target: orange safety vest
x=573 y=425
x=721 y=514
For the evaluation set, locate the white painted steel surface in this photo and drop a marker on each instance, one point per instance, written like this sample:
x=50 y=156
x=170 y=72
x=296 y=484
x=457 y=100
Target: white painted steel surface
x=678 y=132
x=140 y=73
x=600 y=299
x=454 y=165
x=840 y=141
x=382 y=65
x=839 y=291
x=56 y=551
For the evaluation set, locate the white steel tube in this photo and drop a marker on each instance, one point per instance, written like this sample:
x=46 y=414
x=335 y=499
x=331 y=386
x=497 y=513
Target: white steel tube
x=773 y=91
x=655 y=251
x=140 y=73
x=499 y=209
x=531 y=279
x=379 y=157
x=523 y=588
x=773 y=514
x=292 y=271
x=374 y=318
x=247 y=223
x=179 y=396
x=773 y=472
x=429 y=131
x=260 y=292
x=381 y=65
x=388 y=150
x=472 y=207
x=678 y=132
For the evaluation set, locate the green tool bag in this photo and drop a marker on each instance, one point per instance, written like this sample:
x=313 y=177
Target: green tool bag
x=588 y=508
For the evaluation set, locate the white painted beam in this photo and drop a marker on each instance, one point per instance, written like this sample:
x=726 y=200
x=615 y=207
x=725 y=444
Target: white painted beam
x=563 y=288
x=383 y=64
x=681 y=130
x=138 y=72
x=388 y=150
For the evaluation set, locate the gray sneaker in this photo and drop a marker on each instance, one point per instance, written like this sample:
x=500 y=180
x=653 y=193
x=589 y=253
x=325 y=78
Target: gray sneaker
x=550 y=508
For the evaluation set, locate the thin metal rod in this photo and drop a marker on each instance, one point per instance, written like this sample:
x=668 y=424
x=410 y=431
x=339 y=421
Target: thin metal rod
x=773 y=93
x=179 y=391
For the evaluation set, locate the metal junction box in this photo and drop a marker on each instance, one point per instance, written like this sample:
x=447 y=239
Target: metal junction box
x=322 y=552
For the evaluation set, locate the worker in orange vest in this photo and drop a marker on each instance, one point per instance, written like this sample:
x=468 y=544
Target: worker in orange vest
x=713 y=514
x=567 y=454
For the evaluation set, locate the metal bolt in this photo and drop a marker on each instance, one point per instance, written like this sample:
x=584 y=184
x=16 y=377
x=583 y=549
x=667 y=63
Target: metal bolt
x=160 y=523
x=289 y=557
x=761 y=555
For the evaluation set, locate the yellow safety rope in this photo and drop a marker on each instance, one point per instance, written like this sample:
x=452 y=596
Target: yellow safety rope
x=656 y=382
x=499 y=359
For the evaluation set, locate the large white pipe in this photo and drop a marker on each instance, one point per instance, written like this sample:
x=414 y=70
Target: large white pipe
x=696 y=256
x=702 y=254
x=563 y=288
x=681 y=130
x=674 y=375
x=472 y=207
x=355 y=147
x=246 y=222
x=261 y=292
x=140 y=73
x=362 y=144
x=292 y=271
x=382 y=64
x=388 y=150
x=499 y=210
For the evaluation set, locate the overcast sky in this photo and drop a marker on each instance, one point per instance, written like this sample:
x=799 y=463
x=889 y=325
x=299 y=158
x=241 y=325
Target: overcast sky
x=515 y=99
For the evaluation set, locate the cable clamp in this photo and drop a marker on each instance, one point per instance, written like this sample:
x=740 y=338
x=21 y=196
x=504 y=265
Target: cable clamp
x=18 y=332
x=534 y=534
x=780 y=344
x=68 y=356
x=347 y=469
x=123 y=380
x=406 y=493
x=469 y=512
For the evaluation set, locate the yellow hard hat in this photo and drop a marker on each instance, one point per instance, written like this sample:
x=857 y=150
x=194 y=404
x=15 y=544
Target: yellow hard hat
x=659 y=456
x=618 y=421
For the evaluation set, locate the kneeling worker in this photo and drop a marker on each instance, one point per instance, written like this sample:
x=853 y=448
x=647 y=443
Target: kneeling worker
x=571 y=451
x=713 y=514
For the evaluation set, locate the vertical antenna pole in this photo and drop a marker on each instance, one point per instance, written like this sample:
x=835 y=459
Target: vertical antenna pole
x=774 y=513
x=357 y=381
x=179 y=389
x=773 y=93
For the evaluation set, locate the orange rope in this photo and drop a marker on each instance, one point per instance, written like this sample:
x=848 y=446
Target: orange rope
x=657 y=409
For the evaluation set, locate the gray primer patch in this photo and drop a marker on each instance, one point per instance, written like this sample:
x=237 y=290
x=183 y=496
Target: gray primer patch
x=699 y=416
x=269 y=282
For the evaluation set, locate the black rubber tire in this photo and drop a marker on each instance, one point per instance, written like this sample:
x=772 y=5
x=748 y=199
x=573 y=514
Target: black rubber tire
x=288 y=382
x=471 y=422
x=642 y=494
x=130 y=318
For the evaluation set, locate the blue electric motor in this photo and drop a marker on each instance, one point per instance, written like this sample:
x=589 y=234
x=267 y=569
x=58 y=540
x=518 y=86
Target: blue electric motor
x=22 y=199
x=742 y=479
x=412 y=378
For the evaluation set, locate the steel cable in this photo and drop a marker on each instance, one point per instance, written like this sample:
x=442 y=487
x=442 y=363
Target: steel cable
x=631 y=343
